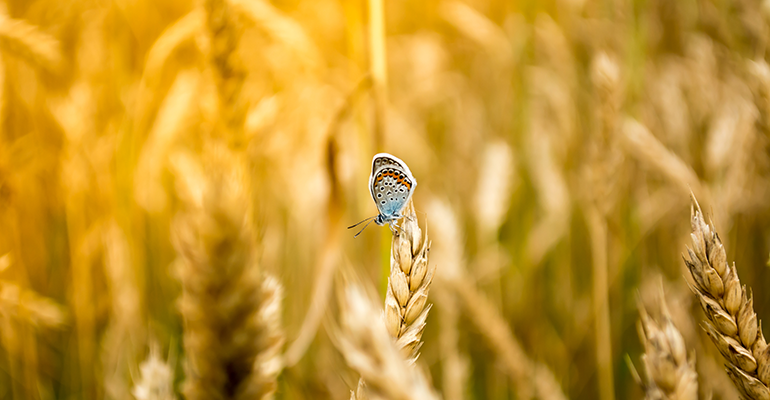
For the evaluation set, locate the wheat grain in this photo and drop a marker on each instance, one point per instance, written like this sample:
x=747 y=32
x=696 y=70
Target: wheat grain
x=730 y=319
x=670 y=374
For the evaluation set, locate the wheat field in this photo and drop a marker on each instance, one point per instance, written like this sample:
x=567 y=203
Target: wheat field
x=177 y=176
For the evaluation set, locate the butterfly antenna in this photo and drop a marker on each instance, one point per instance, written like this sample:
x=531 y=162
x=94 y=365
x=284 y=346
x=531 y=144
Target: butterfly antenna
x=366 y=219
x=362 y=229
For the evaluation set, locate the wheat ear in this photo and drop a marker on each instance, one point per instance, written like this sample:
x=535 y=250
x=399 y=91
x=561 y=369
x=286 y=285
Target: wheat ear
x=372 y=352
x=731 y=322
x=670 y=374
x=231 y=312
x=229 y=74
x=406 y=299
x=156 y=379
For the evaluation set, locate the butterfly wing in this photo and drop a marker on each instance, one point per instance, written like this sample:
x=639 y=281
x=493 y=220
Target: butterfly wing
x=391 y=184
x=382 y=160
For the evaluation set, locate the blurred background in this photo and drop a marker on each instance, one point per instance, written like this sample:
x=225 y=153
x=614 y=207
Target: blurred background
x=556 y=144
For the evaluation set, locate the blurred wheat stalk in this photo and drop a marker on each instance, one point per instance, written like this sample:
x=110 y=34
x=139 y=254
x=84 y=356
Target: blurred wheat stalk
x=156 y=379
x=670 y=374
x=233 y=334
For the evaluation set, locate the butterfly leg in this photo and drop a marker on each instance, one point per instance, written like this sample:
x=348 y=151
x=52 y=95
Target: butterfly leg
x=395 y=228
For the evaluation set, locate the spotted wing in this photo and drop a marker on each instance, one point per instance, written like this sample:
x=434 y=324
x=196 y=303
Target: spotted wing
x=391 y=189
x=382 y=160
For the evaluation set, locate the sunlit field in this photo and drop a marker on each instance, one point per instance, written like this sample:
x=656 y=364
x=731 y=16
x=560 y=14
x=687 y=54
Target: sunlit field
x=589 y=214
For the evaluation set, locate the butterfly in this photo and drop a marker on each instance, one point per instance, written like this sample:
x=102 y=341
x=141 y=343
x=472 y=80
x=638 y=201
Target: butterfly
x=391 y=184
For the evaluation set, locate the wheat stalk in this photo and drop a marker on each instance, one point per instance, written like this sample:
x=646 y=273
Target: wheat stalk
x=406 y=299
x=378 y=67
x=641 y=144
x=730 y=319
x=406 y=307
x=670 y=375
x=530 y=378
x=369 y=349
x=158 y=57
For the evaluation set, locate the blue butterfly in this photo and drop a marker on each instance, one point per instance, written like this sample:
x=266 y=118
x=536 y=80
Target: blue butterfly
x=391 y=185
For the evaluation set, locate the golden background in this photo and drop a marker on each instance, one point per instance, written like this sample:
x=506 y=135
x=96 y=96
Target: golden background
x=555 y=143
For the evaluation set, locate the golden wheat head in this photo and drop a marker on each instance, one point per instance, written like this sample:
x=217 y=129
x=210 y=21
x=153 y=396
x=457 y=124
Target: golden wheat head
x=731 y=322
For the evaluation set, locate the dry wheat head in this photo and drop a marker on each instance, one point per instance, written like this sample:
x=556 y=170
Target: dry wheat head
x=730 y=319
x=406 y=300
x=670 y=375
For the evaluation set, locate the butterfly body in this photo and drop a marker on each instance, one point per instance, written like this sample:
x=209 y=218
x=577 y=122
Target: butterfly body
x=391 y=185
